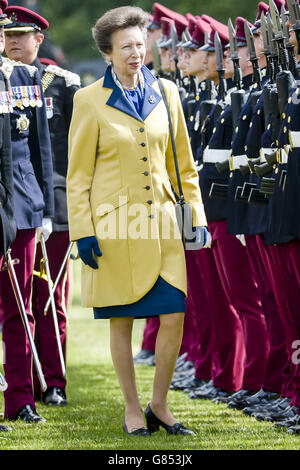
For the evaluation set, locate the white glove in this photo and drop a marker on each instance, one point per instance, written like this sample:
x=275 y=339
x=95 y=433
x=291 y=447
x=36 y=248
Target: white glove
x=242 y=239
x=45 y=229
x=208 y=241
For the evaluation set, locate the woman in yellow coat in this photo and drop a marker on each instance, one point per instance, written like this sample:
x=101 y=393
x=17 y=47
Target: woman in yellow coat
x=122 y=208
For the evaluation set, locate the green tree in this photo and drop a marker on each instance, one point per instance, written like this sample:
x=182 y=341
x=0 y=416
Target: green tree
x=71 y=20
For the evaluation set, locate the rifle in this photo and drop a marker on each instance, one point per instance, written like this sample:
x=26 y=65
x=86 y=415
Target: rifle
x=238 y=97
x=279 y=37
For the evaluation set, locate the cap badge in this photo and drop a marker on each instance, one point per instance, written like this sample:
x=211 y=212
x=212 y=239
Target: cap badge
x=13 y=17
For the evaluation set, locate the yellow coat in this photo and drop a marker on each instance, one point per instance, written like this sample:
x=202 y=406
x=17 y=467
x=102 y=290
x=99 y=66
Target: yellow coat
x=119 y=169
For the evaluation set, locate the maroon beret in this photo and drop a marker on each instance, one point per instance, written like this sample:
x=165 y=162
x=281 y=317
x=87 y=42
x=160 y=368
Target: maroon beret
x=24 y=20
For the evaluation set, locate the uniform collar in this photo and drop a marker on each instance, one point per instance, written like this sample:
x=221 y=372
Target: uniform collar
x=37 y=64
x=118 y=100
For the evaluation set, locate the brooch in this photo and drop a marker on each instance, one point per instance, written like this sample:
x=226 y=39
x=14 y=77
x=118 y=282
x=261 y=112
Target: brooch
x=152 y=99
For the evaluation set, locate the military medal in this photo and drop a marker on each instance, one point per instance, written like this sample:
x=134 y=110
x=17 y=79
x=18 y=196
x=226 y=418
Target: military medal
x=23 y=123
x=32 y=101
x=25 y=98
x=13 y=102
x=8 y=101
x=37 y=93
x=18 y=95
x=49 y=107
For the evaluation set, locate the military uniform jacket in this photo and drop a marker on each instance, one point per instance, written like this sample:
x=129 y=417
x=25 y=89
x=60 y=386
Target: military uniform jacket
x=8 y=224
x=31 y=152
x=120 y=163
x=59 y=87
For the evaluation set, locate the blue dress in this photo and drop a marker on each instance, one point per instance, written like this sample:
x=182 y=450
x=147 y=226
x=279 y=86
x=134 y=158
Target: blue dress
x=163 y=297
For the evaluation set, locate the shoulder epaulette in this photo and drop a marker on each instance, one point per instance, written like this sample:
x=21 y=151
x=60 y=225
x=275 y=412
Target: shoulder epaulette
x=8 y=66
x=71 y=78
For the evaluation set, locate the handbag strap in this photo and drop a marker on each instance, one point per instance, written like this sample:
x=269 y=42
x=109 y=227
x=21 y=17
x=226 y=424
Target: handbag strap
x=181 y=196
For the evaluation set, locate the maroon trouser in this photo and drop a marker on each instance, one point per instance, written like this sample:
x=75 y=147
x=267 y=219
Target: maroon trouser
x=290 y=257
x=229 y=339
x=150 y=333
x=18 y=357
x=278 y=355
x=282 y=285
x=45 y=338
x=239 y=283
x=203 y=348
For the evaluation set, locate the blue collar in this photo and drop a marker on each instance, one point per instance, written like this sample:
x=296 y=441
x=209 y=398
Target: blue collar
x=118 y=100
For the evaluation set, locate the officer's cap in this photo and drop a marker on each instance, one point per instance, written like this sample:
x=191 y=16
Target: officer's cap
x=159 y=11
x=222 y=30
x=165 y=23
x=240 y=31
x=198 y=36
x=24 y=20
x=263 y=8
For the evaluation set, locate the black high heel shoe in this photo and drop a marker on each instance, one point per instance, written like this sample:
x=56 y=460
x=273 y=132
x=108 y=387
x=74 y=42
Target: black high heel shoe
x=137 y=432
x=153 y=423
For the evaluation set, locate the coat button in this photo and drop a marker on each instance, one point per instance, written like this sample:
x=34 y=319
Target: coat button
x=146 y=173
x=143 y=144
x=147 y=187
x=151 y=216
x=149 y=202
x=141 y=129
x=144 y=159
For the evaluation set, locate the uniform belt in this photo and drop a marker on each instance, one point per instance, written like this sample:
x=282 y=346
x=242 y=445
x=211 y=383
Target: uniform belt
x=283 y=154
x=236 y=161
x=295 y=139
x=265 y=151
x=215 y=155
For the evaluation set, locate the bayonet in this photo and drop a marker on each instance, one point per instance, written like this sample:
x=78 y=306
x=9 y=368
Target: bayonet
x=289 y=46
x=294 y=11
x=279 y=37
x=237 y=77
x=273 y=47
x=265 y=35
x=220 y=67
x=156 y=57
x=175 y=41
x=188 y=34
x=253 y=56
x=267 y=47
x=232 y=41
x=276 y=21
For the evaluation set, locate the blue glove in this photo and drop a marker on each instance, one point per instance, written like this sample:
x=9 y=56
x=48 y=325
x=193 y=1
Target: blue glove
x=86 y=246
x=201 y=237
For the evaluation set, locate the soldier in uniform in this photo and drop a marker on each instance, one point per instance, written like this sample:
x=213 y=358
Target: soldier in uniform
x=34 y=208
x=59 y=87
x=7 y=221
x=231 y=259
x=248 y=220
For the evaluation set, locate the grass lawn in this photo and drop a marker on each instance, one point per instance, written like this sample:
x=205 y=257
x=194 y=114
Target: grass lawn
x=93 y=419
